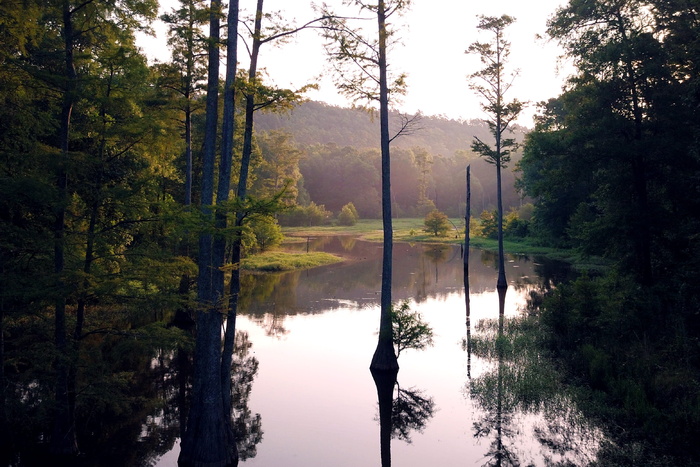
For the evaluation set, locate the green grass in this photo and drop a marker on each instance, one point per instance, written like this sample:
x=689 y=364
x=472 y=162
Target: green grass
x=411 y=230
x=274 y=261
x=405 y=230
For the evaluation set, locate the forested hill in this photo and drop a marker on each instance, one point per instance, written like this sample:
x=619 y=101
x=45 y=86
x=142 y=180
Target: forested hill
x=317 y=122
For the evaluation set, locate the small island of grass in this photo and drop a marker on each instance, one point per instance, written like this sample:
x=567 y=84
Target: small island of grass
x=277 y=261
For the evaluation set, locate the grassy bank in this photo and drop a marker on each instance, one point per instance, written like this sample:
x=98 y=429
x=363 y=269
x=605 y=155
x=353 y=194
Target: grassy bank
x=277 y=260
x=411 y=230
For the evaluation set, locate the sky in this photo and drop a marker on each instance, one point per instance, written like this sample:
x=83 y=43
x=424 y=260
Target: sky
x=434 y=36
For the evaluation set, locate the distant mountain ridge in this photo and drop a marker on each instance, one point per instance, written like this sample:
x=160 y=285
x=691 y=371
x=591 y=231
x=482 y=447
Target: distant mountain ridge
x=319 y=123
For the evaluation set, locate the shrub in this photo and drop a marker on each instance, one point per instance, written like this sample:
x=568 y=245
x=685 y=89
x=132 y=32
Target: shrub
x=267 y=232
x=436 y=222
x=489 y=224
x=306 y=216
x=348 y=215
x=514 y=225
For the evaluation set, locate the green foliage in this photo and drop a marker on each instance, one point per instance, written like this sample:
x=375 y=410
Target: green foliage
x=346 y=170
x=348 y=215
x=623 y=342
x=489 y=84
x=489 y=224
x=266 y=231
x=307 y=216
x=276 y=261
x=514 y=226
x=279 y=166
x=409 y=331
x=436 y=223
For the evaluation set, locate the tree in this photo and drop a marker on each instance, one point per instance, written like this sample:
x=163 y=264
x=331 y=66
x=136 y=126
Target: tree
x=362 y=74
x=348 y=215
x=409 y=330
x=436 y=223
x=492 y=83
x=423 y=160
x=279 y=167
x=266 y=98
x=625 y=70
x=70 y=30
x=188 y=70
x=267 y=232
x=209 y=437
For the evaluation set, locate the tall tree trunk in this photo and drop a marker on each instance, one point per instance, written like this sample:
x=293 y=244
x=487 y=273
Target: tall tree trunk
x=384 y=358
x=642 y=233
x=224 y=188
x=63 y=439
x=467 y=222
x=501 y=283
x=500 y=128
x=188 y=153
x=241 y=194
x=208 y=440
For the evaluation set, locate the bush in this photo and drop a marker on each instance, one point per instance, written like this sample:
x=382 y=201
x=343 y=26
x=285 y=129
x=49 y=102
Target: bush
x=267 y=232
x=348 y=215
x=514 y=225
x=436 y=222
x=489 y=224
x=305 y=216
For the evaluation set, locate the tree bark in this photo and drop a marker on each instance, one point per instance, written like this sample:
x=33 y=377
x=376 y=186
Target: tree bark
x=384 y=358
x=224 y=188
x=63 y=439
x=241 y=194
x=208 y=440
x=467 y=221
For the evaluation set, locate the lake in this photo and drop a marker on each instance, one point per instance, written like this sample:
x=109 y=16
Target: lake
x=313 y=402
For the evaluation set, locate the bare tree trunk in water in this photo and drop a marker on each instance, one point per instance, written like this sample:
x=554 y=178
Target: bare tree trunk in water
x=241 y=194
x=501 y=283
x=384 y=358
x=467 y=300
x=385 y=382
x=467 y=222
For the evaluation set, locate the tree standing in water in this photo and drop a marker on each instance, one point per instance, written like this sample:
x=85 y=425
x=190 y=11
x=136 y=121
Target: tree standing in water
x=492 y=83
x=362 y=74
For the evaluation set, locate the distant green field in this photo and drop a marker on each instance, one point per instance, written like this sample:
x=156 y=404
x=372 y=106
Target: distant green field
x=405 y=230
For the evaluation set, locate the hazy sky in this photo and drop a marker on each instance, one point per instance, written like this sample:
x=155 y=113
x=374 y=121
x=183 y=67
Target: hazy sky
x=435 y=34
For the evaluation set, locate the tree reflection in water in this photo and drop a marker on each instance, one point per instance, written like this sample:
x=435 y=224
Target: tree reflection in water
x=248 y=427
x=522 y=381
x=409 y=410
x=177 y=379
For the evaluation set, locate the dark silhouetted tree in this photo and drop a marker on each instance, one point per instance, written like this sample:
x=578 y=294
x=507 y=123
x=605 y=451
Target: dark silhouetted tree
x=492 y=83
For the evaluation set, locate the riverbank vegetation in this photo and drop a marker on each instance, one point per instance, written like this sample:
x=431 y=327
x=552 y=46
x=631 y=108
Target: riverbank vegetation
x=612 y=166
x=276 y=261
x=102 y=208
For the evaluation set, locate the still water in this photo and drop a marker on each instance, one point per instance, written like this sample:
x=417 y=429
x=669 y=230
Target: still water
x=457 y=403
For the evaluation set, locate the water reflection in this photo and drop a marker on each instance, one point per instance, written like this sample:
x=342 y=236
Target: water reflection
x=421 y=272
x=315 y=330
x=401 y=412
x=521 y=400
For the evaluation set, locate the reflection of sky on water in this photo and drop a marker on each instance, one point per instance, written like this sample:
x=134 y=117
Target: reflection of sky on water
x=314 y=333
